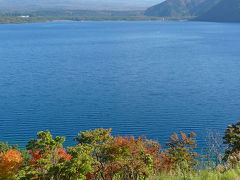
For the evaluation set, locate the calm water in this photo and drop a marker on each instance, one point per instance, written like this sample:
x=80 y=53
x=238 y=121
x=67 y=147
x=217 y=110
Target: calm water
x=139 y=78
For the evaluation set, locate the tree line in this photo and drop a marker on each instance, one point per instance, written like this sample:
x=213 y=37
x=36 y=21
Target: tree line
x=100 y=156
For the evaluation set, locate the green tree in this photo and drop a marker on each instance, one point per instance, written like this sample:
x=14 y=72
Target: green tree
x=4 y=147
x=232 y=139
x=97 y=139
x=48 y=157
x=179 y=157
x=80 y=165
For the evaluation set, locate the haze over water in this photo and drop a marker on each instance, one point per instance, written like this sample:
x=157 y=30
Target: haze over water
x=139 y=78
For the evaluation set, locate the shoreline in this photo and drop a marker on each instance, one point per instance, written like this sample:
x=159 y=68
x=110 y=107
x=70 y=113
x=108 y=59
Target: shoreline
x=5 y=19
x=49 y=21
x=112 y=20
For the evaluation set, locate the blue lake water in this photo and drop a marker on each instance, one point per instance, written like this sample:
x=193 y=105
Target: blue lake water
x=138 y=78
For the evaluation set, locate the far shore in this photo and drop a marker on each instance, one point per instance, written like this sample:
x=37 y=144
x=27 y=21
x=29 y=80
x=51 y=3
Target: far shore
x=88 y=20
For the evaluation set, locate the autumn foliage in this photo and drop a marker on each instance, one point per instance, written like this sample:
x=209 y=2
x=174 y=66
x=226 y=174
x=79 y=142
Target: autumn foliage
x=62 y=154
x=10 y=162
x=100 y=156
x=179 y=156
x=128 y=158
x=97 y=156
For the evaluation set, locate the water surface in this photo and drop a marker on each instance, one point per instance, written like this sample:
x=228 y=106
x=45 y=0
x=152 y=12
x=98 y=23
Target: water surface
x=139 y=78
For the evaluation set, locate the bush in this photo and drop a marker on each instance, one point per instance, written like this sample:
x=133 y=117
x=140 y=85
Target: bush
x=232 y=139
x=10 y=162
x=179 y=157
x=100 y=156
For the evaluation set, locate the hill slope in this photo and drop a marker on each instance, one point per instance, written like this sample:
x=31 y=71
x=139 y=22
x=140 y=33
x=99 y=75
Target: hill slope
x=181 y=8
x=225 y=11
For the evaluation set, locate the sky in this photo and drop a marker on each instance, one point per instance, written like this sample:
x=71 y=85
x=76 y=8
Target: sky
x=80 y=4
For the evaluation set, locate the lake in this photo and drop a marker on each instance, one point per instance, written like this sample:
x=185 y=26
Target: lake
x=138 y=78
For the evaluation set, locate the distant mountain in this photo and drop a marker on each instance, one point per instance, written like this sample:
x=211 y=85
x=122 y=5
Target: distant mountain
x=224 y=11
x=77 y=4
x=181 y=8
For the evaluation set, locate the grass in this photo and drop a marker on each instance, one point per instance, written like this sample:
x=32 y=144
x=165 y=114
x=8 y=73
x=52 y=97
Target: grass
x=232 y=174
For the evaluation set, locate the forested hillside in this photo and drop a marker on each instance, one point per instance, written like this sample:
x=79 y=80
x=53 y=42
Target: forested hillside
x=225 y=11
x=201 y=10
x=181 y=8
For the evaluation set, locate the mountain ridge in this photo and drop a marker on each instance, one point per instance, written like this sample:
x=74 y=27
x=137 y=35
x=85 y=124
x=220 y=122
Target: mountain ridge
x=198 y=10
x=224 y=11
x=181 y=8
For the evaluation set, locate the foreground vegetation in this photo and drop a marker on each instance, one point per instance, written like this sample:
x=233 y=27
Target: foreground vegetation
x=100 y=156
